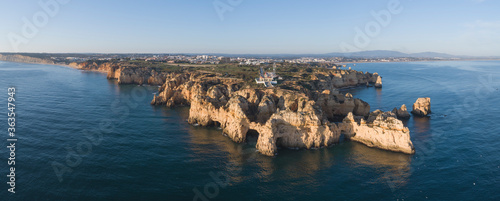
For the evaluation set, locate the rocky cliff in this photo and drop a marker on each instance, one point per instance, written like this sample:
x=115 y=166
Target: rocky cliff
x=124 y=74
x=283 y=117
x=382 y=130
x=422 y=107
x=337 y=79
x=378 y=82
x=24 y=59
x=401 y=113
x=143 y=75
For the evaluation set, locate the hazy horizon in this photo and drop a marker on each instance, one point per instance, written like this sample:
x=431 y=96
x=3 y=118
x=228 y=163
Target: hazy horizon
x=462 y=28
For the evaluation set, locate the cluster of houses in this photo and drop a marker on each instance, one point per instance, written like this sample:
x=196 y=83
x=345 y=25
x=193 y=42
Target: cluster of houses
x=268 y=78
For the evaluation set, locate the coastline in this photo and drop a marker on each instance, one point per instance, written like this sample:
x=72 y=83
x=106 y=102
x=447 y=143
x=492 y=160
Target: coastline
x=23 y=59
x=55 y=64
x=298 y=117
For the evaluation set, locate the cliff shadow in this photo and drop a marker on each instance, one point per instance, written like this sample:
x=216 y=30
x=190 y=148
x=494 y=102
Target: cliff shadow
x=394 y=167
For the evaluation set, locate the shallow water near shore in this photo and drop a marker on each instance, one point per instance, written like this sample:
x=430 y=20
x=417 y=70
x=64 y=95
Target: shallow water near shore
x=135 y=151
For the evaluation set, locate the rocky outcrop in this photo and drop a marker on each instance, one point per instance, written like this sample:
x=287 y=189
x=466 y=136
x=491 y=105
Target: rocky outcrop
x=374 y=77
x=94 y=66
x=298 y=125
x=336 y=106
x=129 y=75
x=401 y=113
x=361 y=108
x=378 y=82
x=382 y=130
x=24 y=59
x=125 y=75
x=302 y=129
x=282 y=118
x=422 y=107
x=337 y=79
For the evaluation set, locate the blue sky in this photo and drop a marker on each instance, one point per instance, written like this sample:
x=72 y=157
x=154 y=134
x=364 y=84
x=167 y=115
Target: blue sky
x=462 y=27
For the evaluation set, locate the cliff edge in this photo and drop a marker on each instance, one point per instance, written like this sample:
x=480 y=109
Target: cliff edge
x=283 y=117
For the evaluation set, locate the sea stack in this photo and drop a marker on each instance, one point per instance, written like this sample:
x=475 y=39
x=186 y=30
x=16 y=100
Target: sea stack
x=422 y=107
x=382 y=130
x=401 y=113
x=283 y=117
x=378 y=83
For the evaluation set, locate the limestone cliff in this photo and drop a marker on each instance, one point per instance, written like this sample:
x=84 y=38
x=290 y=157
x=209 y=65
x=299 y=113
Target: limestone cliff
x=24 y=59
x=337 y=79
x=422 y=107
x=382 y=130
x=124 y=74
x=378 y=82
x=282 y=117
x=143 y=75
x=93 y=66
x=335 y=105
x=401 y=113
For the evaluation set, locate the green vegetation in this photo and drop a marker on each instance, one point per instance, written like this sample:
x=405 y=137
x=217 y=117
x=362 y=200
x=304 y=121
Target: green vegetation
x=298 y=75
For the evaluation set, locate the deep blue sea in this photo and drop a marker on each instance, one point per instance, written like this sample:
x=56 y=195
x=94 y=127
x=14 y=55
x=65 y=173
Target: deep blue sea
x=83 y=137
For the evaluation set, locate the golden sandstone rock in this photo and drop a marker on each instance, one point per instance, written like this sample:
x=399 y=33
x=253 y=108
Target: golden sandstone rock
x=283 y=117
x=125 y=75
x=401 y=113
x=422 y=107
x=299 y=117
x=378 y=82
x=384 y=132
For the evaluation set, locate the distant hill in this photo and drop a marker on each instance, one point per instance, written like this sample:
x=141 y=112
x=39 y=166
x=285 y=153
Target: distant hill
x=433 y=54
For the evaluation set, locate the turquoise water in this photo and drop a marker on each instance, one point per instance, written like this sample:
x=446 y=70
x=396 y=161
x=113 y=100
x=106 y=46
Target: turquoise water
x=119 y=147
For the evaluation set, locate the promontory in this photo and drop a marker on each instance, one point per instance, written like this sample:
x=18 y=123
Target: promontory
x=288 y=105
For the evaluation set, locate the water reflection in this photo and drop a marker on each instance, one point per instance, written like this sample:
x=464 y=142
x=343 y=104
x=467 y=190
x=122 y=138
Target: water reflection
x=242 y=162
x=394 y=167
x=422 y=127
x=299 y=163
x=379 y=96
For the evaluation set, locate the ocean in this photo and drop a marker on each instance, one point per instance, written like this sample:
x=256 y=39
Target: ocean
x=83 y=137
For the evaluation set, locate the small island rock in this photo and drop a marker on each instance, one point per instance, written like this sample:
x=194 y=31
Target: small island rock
x=422 y=107
x=378 y=83
x=401 y=113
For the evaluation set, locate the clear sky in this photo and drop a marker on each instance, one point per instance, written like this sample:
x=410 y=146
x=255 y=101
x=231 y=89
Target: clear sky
x=461 y=27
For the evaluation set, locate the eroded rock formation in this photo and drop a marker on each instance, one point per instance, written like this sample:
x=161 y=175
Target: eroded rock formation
x=24 y=59
x=401 y=113
x=282 y=117
x=337 y=79
x=125 y=75
x=422 y=107
x=378 y=82
x=382 y=130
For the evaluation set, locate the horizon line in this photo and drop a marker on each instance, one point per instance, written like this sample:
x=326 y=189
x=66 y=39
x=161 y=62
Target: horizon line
x=260 y=54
